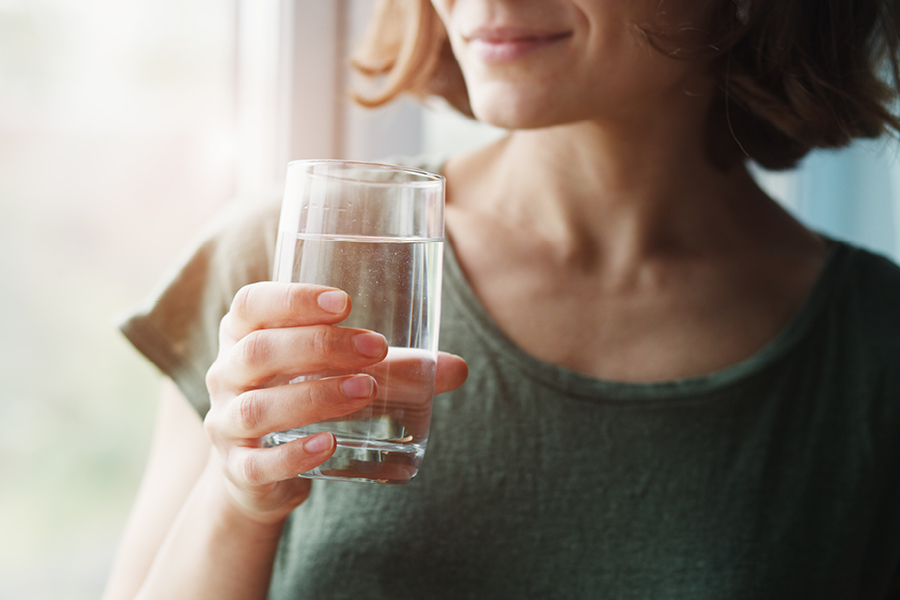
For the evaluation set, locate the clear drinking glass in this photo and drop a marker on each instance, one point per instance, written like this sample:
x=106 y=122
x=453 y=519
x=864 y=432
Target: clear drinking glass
x=375 y=231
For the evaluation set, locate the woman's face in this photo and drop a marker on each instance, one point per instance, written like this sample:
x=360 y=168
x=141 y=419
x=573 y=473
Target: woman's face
x=535 y=63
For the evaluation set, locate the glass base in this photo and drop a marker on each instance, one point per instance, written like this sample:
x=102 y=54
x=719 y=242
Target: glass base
x=363 y=461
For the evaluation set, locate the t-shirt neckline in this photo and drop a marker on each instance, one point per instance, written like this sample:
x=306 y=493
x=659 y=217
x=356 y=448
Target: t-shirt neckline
x=717 y=382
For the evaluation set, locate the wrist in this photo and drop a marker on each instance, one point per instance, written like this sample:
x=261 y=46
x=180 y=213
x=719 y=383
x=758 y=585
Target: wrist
x=233 y=515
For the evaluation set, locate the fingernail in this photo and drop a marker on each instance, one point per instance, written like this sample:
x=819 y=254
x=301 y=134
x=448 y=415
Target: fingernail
x=370 y=344
x=319 y=443
x=358 y=386
x=334 y=302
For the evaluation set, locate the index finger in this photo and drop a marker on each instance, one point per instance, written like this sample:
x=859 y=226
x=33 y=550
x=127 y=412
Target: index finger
x=270 y=304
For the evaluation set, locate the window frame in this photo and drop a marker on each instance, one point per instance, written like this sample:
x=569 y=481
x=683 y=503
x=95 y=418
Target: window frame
x=292 y=77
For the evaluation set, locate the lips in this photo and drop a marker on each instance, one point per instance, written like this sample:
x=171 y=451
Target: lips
x=511 y=43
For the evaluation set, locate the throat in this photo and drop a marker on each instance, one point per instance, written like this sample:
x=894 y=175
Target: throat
x=586 y=268
x=666 y=319
x=580 y=208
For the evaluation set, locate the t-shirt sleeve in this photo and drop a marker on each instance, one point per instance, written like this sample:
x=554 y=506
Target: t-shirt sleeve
x=177 y=326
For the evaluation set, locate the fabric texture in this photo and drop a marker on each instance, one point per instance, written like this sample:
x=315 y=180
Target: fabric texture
x=778 y=477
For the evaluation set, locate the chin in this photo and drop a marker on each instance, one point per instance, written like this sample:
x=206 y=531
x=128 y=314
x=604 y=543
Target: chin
x=513 y=109
x=513 y=105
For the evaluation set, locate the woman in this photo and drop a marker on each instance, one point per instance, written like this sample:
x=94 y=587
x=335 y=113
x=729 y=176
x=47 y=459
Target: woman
x=674 y=388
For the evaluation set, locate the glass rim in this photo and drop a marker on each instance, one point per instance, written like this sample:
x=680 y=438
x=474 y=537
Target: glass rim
x=430 y=178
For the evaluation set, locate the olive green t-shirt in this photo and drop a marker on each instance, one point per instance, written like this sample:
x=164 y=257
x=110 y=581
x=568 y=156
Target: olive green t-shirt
x=778 y=477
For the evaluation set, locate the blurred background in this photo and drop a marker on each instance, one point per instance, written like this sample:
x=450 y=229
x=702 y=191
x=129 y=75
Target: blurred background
x=116 y=143
x=124 y=125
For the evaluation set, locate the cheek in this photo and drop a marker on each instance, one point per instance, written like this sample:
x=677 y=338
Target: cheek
x=624 y=90
x=607 y=71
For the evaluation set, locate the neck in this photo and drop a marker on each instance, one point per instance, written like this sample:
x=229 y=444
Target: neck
x=626 y=191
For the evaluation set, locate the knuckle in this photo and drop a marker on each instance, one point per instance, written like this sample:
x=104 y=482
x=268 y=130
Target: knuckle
x=242 y=301
x=211 y=425
x=248 y=469
x=318 y=394
x=212 y=379
x=225 y=328
x=250 y=412
x=253 y=349
x=321 y=342
x=296 y=299
x=208 y=427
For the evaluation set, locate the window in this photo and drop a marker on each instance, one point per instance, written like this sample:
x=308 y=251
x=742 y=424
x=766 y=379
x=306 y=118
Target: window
x=116 y=143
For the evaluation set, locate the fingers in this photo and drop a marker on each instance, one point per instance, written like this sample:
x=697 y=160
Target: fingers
x=412 y=376
x=264 y=354
x=269 y=304
x=273 y=333
x=255 y=413
x=250 y=467
x=451 y=372
x=282 y=328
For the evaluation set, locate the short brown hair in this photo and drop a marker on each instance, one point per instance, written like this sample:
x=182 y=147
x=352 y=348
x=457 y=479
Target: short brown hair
x=792 y=75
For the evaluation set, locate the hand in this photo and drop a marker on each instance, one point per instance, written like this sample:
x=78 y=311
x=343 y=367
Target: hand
x=273 y=333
